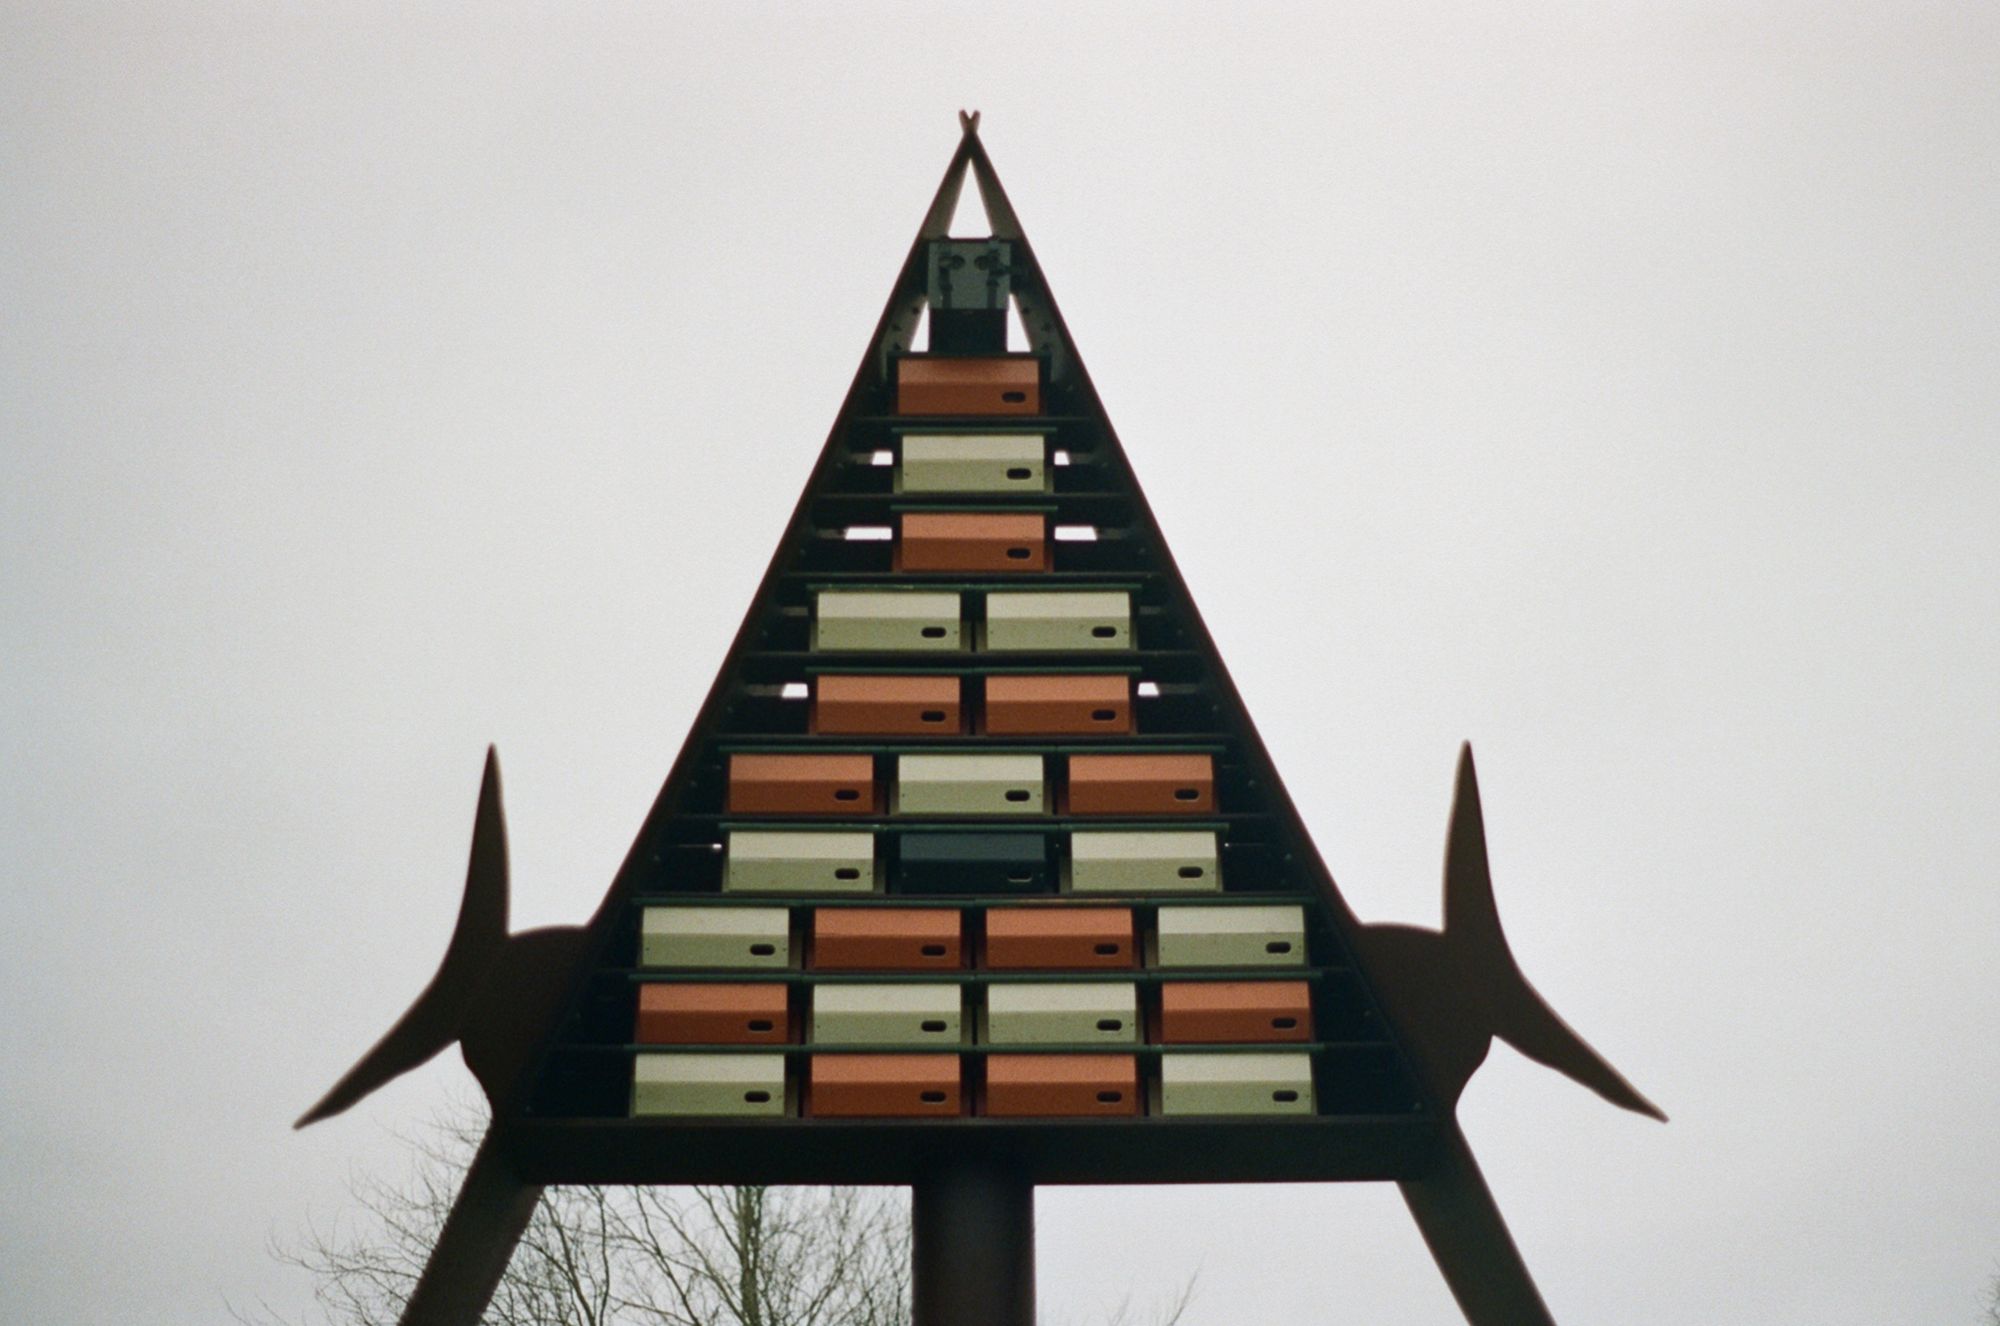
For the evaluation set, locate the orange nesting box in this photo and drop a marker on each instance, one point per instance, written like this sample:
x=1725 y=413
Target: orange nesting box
x=699 y=1013
x=972 y=541
x=801 y=784
x=1208 y=1012
x=1141 y=784
x=883 y=1086
x=885 y=706
x=1029 y=1085
x=886 y=939
x=1057 y=706
x=930 y=384
x=1059 y=938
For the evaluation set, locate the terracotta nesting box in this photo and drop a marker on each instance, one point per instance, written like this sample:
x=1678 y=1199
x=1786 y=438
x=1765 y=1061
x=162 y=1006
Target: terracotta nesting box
x=1058 y=706
x=972 y=541
x=1059 y=938
x=996 y=384
x=699 y=1013
x=1141 y=784
x=802 y=785
x=886 y=939
x=1060 y=1085
x=883 y=1085
x=1214 y=1012
x=885 y=706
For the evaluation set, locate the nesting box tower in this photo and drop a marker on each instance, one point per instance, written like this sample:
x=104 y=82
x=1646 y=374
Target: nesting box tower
x=973 y=875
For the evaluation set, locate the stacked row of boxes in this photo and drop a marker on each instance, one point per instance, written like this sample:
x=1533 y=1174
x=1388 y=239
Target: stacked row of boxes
x=997 y=783
x=1003 y=621
x=1010 y=705
x=938 y=961
x=938 y=860
x=989 y=986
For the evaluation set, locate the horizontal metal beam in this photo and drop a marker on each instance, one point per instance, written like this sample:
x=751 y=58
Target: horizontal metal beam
x=1353 y=1148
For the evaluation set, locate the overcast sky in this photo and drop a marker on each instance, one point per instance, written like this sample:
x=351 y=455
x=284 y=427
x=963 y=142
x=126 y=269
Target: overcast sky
x=1610 y=384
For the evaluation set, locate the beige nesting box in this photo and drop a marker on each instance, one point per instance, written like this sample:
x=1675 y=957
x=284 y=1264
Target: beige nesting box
x=886 y=619
x=799 y=861
x=887 y=1013
x=1248 y=1083
x=973 y=463
x=1009 y=784
x=735 y=1085
x=1061 y=620
x=1220 y=936
x=1062 y=1013
x=1144 y=861
x=734 y=937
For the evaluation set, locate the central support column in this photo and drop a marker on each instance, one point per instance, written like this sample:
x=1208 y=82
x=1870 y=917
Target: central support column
x=972 y=1247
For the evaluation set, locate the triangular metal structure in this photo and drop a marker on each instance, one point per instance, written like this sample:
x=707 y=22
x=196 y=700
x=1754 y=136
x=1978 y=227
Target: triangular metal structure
x=974 y=856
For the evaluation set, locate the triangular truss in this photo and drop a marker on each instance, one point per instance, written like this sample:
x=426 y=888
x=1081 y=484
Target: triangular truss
x=973 y=855
x=1359 y=1113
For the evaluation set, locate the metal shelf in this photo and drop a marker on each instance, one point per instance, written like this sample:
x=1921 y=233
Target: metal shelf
x=973 y=901
x=881 y=823
x=795 y=1049
x=1147 y=976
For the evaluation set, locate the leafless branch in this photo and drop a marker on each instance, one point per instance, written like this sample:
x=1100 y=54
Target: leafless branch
x=706 y=1256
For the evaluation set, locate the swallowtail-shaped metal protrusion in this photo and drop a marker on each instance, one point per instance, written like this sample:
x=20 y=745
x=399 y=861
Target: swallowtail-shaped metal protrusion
x=1450 y=993
x=497 y=995
x=494 y=994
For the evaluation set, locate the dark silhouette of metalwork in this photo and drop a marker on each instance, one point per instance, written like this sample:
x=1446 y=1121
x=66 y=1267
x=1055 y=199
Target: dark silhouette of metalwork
x=1450 y=993
x=495 y=994
x=522 y=1009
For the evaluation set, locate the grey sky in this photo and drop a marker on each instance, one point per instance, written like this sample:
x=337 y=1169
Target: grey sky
x=1609 y=384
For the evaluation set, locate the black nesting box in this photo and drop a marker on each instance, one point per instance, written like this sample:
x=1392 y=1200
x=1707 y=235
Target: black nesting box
x=968 y=295
x=960 y=863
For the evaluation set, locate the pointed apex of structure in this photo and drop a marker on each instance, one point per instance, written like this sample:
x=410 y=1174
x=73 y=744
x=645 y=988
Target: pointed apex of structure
x=944 y=203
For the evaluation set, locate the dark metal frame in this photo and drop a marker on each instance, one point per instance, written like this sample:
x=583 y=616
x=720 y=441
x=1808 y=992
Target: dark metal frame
x=1441 y=997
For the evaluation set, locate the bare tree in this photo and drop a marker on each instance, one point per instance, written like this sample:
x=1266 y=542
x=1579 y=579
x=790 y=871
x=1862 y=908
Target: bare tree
x=724 y=1256
x=619 y=1256
x=769 y=1256
x=1168 y=1313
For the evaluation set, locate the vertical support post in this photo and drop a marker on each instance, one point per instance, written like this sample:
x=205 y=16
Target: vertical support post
x=972 y=1247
